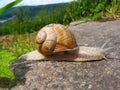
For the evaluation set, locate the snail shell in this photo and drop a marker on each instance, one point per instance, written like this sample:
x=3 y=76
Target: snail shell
x=55 y=38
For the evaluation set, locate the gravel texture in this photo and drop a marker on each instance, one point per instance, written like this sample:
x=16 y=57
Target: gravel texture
x=61 y=75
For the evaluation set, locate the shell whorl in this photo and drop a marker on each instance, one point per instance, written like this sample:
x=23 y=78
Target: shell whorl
x=55 y=38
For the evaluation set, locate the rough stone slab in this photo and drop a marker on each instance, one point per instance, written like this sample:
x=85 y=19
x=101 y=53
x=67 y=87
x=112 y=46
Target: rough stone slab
x=56 y=75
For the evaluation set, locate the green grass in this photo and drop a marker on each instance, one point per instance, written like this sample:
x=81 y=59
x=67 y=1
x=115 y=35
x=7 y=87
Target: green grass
x=6 y=57
x=19 y=46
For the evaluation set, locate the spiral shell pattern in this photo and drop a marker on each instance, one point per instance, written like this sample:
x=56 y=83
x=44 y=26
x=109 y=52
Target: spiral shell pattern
x=55 y=38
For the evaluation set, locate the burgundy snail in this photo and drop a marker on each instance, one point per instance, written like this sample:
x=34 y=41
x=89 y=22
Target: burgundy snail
x=57 y=42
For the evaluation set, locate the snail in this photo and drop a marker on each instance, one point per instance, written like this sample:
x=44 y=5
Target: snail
x=57 y=42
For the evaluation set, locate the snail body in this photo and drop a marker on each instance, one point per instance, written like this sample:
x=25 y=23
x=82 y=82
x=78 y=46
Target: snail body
x=85 y=54
x=54 y=39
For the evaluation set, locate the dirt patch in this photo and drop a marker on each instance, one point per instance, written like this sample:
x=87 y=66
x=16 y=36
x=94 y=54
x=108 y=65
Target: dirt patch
x=7 y=41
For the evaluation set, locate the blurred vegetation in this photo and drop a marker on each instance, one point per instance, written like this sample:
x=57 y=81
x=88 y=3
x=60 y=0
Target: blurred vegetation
x=5 y=58
x=24 y=24
x=77 y=10
x=3 y=9
x=92 y=10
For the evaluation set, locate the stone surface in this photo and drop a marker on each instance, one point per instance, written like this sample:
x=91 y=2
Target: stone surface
x=61 y=75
